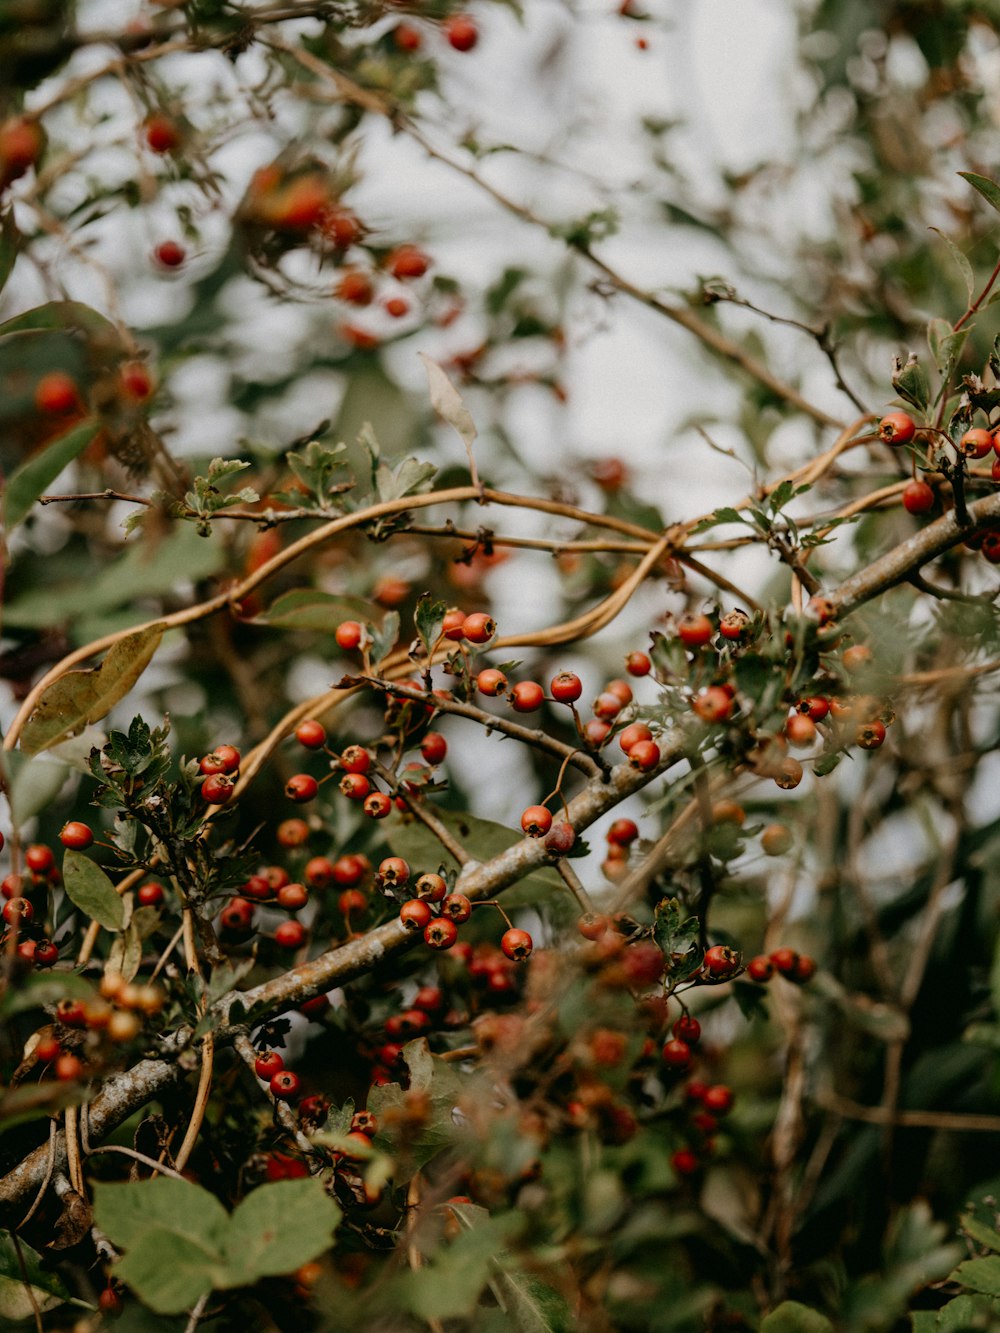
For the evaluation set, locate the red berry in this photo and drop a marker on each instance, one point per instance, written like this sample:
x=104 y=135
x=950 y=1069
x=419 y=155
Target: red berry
x=431 y=887
x=479 y=627
x=596 y=732
x=694 y=631
x=870 y=735
x=441 y=933
x=39 y=859
x=453 y=625
x=170 y=254
x=760 y=968
x=684 y=1162
x=784 y=960
x=149 y=895
x=918 y=498
x=356 y=288
x=162 y=134
x=217 y=789
x=634 y=732
x=352 y=901
x=394 y=870
x=638 y=664
x=713 y=705
x=76 y=835
x=229 y=757
x=46 y=953
x=857 y=657
x=975 y=443
x=815 y=707
x=676 y=1054
x=721 y=961
x=409 y=261
x=311 y=734
x=456 y=907
x=606 y=706
x=110 y=1303
x=136 y=380
x=415 y=915
x=491 y=682
x=355 y=786
x=527 y=696
x=355 y=759
x=377 y=805
x=18 y=910
x=267 y=1064
x=301 y=787
x=991 y=546
x=733 y=625
x=800 y=729
x=237 y=915
x=293 y=897
x=536 y=821
x=47 y=1049
x=593 y=927
x=687 y=1029
x=407 y=37
x=433 y=747
x=718 y=1099
x=429 y=998
x=290 y=935
x=56 y=394
x=644 y=755
x=348 y=635
x=804 y=970
x=516 y=944
x=623 y=832
x=560 y=838
x=68 y=1067
x=350 y=870
x=341 y=226
x=461 y=32
x=897 y=428
x=285 y=1086
x=566 y=687
x=20 y=148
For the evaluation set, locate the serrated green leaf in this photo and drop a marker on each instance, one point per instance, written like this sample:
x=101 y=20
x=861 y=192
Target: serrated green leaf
x=89 y=889
x=987 y=188
x=528 y=1305
x=167 y=1269
x=981 y=1233
x=82 y=697
x=36 y=475
x=383 y=637
x=276 y=1228
x=910 y=382
x=792 y=1317
x=428 y=619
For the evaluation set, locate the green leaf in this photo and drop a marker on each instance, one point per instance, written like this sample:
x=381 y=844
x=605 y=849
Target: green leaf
x=528 y=1305
x=964 y=1313
x=910 y=382
x=61 y=315
x=677 y=937
x=168 y=1270
x=723 y=515
x=383 y=637
x=792 y=1317
x=980 y=1275
x=125 y=954
x=964 y=267
x=946 y=347
x=277 y=1227
x=428 y=618
x=36 y=475
x=315 y=466
x=35 y=785
x=10 y=239
x=987 y=188
x=81 y=697
x=310 y=609
x=89 y=889
x=36 y=991
x=981 y=1233
x=47 y=1288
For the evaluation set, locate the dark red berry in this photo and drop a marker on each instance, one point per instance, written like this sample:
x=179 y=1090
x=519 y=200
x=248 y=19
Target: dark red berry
x=433 y=747
x=456 y=907
x=267 y=1064
x=285 y=1086
x=441 y=933
x=566 y=687
x=76 y=835
x=301 y=787
x=676 y=1054
x=721 y=961
x=897 y=428
x=516 y=944
x=290 y=935
x=217 y=789
x=149 y=895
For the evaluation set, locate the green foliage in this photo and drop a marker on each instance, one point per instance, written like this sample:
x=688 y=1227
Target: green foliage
x=180 y=1243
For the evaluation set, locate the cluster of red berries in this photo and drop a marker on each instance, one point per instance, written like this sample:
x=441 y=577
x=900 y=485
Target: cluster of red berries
x=787 y=963
x=436 y=913
x=220 y=770
x=26 y=906
x=704 y=1106
x=87 y=1034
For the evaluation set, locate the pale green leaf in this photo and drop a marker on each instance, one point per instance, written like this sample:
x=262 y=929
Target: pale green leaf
x=89 y=889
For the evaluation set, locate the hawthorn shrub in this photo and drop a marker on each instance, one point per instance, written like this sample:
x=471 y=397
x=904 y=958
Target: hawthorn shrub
x=444 y=888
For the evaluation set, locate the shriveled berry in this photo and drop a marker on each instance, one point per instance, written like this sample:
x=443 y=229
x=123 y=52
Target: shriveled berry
x=560 y=838
x=734 y=624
